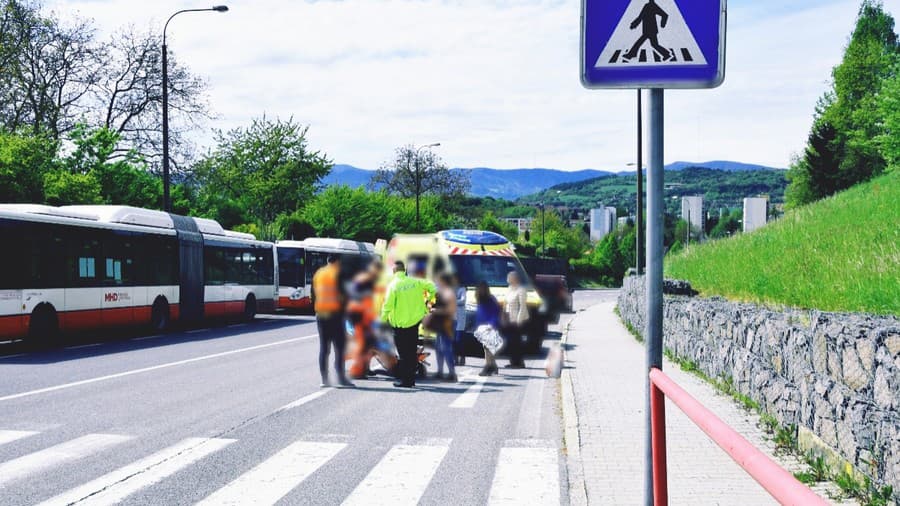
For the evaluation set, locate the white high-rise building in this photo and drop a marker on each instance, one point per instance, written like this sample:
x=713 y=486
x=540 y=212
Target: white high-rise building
x=756 y=213
x=603 y=222
x=692 y=212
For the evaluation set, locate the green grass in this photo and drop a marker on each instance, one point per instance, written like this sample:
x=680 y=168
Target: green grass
x=838 y=254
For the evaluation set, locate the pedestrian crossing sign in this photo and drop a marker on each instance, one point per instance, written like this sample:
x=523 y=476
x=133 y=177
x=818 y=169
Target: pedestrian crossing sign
x=653 y=43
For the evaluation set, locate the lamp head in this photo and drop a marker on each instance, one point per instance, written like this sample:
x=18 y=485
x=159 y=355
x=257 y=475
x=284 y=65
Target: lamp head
x=220 y=8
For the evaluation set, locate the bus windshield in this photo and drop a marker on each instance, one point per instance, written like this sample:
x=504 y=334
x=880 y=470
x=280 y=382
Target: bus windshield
x=472 y=269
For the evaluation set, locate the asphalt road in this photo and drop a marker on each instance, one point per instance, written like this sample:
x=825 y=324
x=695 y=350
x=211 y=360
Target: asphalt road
x=234 y=415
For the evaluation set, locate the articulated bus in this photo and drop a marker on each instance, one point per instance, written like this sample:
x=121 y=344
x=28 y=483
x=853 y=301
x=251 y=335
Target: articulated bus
x=299 y=260
x=76 y=268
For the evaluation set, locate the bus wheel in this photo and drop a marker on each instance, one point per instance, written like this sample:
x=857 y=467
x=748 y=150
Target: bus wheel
x=44 y=325
x=159 y=315
x=250 y=308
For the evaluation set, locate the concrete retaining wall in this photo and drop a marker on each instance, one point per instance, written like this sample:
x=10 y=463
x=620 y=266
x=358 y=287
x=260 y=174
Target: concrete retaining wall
x=837 y=375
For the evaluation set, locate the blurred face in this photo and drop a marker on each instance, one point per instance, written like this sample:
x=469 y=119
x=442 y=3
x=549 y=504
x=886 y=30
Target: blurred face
x=513 y=279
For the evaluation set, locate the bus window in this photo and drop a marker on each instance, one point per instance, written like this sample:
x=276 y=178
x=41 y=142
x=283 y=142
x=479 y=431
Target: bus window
x=84 y=265
x=290 y=267
x=214 y=258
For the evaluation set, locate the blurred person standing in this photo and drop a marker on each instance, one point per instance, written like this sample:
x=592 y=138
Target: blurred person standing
x=444 y=325
x=487 y=313
x=515 y=316
x=328 y=302
x=361 y=313
x=462 y=294
x=405 y=306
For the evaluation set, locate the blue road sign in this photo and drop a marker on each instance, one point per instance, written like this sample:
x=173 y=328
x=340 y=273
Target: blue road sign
x=653 y=43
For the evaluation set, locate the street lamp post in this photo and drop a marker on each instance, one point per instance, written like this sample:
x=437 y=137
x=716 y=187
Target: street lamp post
x=167 y=201
x=418 y=177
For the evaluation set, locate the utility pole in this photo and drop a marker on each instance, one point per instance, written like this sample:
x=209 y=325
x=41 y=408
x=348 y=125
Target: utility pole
x=639 y=214
x=655 y=218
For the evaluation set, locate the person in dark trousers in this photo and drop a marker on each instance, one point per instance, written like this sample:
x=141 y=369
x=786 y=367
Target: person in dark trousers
x=460 y=324
x=405 y=305
x=649 y=30
x=328 y=302
x=515 y=316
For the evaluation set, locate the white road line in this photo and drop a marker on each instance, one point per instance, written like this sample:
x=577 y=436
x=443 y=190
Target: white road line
x=55 y=455
x=151 y=368
x=275 y=477
x=467 y=399
x=121 y=483
x=401 y=477
x=303 y=400
x=8 y=436
x=526 y=476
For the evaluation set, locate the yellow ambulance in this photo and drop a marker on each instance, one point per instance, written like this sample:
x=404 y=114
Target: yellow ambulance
x=473 y=256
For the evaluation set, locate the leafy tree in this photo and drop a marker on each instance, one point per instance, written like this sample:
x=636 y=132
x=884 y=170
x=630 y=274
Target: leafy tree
x=490 y=223
x=414 y=173
x=24 y=160
x=843 y=147
x=355 y=213
x=728 y=225
x=66 y=188
x=889 y=108
x=266 y=169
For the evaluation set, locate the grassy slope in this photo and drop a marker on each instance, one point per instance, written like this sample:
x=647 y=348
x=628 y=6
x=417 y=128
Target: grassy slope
x=839 y=254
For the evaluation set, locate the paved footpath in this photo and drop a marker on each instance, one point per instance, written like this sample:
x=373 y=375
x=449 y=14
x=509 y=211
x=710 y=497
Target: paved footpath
x=604 y=386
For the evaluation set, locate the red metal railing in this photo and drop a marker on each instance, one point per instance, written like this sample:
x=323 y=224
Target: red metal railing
x=778 y=482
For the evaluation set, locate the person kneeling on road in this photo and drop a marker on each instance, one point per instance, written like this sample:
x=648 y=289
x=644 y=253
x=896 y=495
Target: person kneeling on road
x=404 y=307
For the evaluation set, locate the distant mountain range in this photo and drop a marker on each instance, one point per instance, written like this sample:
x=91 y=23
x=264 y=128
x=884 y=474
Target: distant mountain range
x=514 y=183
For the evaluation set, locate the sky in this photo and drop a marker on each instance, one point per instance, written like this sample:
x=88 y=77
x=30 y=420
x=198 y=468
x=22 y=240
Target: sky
x=496 y=82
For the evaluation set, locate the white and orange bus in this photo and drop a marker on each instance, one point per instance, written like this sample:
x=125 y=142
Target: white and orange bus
x=76 y=268
x=299 y=260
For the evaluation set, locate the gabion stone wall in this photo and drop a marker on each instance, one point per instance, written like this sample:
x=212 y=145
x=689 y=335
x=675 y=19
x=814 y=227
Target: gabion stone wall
x=837 y=375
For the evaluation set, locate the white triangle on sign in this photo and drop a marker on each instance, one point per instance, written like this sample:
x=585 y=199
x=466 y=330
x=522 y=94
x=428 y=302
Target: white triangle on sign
x=640 y=40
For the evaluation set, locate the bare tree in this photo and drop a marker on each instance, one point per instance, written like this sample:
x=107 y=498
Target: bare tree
x=49 y=69
x=414 y=173
x=129 y=97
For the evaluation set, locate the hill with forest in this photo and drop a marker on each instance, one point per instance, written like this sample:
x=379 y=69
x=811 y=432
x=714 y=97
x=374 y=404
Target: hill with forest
x=721 y=189
x=511 y=184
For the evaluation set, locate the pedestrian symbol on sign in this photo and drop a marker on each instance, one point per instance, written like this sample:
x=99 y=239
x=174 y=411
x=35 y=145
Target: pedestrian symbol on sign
x=651 y=33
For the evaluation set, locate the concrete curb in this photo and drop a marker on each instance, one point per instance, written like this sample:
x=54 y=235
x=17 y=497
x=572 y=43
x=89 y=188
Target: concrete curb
x=571 y=433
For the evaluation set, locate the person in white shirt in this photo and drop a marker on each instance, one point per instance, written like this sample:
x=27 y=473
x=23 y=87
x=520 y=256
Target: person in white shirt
x=515 y=316
x=461 y=296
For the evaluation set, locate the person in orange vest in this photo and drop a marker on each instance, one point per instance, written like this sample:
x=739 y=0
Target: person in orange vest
x=361 y=312
x=328 y=302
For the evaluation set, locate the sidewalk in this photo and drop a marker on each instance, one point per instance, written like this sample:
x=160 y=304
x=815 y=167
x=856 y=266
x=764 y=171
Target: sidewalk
x=604 y=386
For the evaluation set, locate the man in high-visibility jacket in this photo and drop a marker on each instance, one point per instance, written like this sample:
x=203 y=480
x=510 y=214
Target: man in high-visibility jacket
x=328 y=302
x=404 y=307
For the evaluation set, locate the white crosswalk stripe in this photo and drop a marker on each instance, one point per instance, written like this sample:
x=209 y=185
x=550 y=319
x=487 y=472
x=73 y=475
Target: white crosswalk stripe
x=121 y=483
x=526 y=476
x=401 y=476
x=55 y=455
x=276 y=476
x=527 y=470
x=8 y=436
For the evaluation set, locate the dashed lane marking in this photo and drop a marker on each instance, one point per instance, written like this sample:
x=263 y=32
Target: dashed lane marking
x=468 y=398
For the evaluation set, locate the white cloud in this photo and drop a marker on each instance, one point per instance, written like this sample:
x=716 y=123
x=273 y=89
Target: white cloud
x=496 y=82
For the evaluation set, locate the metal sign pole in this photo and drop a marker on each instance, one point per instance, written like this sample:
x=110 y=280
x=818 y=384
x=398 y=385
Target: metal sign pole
x=654 y=278
x=639 y=214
